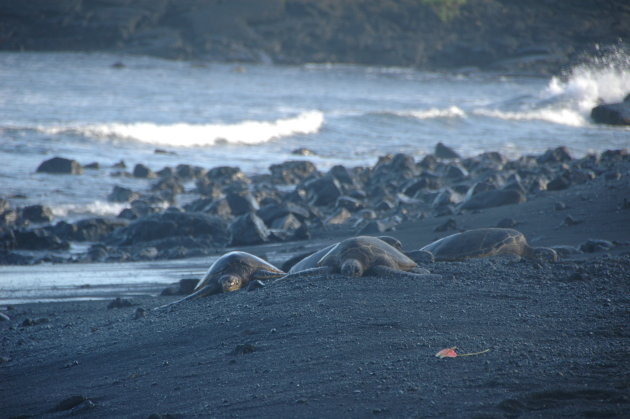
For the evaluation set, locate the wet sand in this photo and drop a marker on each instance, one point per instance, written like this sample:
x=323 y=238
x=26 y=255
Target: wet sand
x=557 y=334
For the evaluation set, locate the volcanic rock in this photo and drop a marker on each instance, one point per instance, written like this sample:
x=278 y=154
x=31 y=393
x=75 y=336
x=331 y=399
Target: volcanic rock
x=60 y=165
x=248 y=229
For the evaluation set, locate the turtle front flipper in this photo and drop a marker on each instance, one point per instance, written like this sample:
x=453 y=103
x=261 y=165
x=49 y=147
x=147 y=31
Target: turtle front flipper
x=322 y=270
x=210 y=289
x=381 y=270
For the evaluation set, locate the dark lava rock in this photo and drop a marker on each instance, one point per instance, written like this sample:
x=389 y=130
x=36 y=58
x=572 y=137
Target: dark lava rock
x=559 y=183
x=292 y=172
x=60 y=165
x=186 y=171
x=556 y=155
x=303 y=151
x=120 y=303
x=121 y=194
x=36 y=239
x=89 y=229
x=241 y=202
x=287 y=223
x=323 y=191
x=184 y=287
x=444 y=198
x=349 y=203
x=170 y=225
x=270 y=212
x=37 y=214
x=248 y=229
x=595 y=245
x=140 y=313
x=142 y=171
x=445 y=152
x=225 y=175
x=612 y=113
x=170 y=184
x=496 y=198
x=342 y=174
x=339 y=216
x=69 y=403
x=397 y=169
x=373 y=227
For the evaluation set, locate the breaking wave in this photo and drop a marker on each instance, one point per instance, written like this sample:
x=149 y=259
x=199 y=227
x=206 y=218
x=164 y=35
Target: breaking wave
x=450 y=112
x=199 y=135
x=568 y=100
x=101 y=208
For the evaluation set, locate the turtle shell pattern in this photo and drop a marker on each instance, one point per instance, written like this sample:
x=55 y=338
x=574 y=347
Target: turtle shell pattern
x=369 y=251
x=241 y=264
x=477 y=243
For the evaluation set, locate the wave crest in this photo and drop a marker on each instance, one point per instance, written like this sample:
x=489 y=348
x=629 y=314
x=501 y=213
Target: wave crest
x=199 y=135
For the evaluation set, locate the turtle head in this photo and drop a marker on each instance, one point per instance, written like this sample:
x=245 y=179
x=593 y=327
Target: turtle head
x=352 y=267
x=230 y=283
x=544 y=254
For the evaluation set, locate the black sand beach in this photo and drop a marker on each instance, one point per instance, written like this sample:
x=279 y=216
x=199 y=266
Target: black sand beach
x=557 y=335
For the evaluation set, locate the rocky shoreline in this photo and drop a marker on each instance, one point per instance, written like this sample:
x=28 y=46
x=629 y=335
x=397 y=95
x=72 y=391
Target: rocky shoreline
x=292 y=203
x=536 y=37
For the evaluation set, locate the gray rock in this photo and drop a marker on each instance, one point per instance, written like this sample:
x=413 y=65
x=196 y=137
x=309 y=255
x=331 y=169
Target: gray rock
x=60 y=165
x=248 y=229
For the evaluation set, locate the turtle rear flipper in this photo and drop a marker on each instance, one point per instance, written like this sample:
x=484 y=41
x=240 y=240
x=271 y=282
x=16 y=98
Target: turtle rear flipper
x=387 y=271
x=211 y=289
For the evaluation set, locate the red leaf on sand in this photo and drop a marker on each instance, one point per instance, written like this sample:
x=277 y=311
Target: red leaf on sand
x=447 y=353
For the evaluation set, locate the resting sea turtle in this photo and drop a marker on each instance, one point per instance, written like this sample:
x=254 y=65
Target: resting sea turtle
x=485 y=242
x=231 y=272
x=311 y=260
x=358 y=256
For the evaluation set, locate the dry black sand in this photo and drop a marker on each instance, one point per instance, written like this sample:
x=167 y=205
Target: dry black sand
x=558 y=334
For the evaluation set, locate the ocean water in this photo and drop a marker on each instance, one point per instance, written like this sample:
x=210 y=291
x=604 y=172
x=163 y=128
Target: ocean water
x=80 y=106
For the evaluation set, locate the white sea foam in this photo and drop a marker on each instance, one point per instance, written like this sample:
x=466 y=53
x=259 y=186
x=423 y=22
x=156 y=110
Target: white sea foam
x=557 y=116
x=569 y=100
x=96 y=208
x=196 y=135
x=450 y=112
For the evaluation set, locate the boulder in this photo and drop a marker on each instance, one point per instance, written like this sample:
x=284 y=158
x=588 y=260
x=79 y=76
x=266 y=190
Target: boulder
x=37 y=214
x=612 y=113
x=36 y=239
x=248 y=229
x=122 y=194
x=445 y=152
x=292 y=172
x=142 y=171
x=241 y=202
x=323 y=191
x=60 y=165
x=172 y=224
x=495 y=198
x=89 y=229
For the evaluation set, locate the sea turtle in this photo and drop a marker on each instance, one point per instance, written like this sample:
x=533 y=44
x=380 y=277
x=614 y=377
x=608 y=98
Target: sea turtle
x=485 y=242
x=310 y=261
x=358 y=256
x=231 y=272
